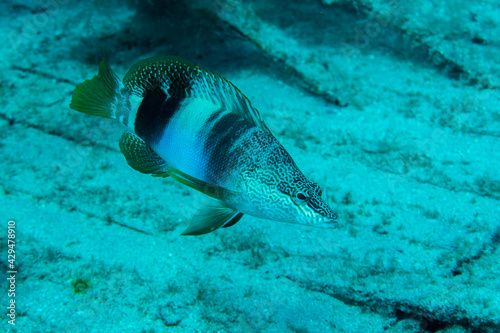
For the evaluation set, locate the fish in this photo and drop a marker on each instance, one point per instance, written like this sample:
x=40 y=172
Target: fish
x=197 y=128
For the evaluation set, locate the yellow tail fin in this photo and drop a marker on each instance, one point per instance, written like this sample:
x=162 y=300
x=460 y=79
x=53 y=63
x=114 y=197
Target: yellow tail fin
x=99 y=96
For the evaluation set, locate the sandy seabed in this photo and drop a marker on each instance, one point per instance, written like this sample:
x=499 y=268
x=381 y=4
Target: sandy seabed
x=391 y=107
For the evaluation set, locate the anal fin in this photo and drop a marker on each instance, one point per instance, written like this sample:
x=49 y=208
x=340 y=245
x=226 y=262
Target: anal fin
x=212 y=217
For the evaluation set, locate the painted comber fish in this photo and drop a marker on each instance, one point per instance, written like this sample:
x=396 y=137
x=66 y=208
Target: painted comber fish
x=196 y=127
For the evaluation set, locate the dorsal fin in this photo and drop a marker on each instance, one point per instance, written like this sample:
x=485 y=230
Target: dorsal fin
x=173 y=73
x=166 y=71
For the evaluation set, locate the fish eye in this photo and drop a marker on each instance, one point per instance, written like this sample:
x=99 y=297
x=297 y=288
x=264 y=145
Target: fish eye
x=301 y=197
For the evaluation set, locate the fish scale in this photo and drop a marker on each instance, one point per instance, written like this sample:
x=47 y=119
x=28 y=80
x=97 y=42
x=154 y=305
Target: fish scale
x=196 y=127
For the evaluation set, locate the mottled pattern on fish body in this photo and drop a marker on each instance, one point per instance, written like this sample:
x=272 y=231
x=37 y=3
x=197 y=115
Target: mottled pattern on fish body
x=207 y=135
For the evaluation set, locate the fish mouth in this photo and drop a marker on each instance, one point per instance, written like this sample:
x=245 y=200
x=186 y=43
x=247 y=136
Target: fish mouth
x=330 y=224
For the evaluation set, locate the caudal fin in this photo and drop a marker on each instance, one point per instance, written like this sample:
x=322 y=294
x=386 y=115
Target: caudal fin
x=99 y=96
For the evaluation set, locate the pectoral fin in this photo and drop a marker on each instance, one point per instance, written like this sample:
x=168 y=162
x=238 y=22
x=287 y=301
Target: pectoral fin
x=212 y=217
x=144 y=159
x=141 y=157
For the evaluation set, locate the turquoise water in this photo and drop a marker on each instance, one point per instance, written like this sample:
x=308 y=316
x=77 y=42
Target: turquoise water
x=392 y=107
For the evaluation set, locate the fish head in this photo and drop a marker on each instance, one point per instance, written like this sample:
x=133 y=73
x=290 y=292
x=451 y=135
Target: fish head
x=287 y=197
x=304 y=202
